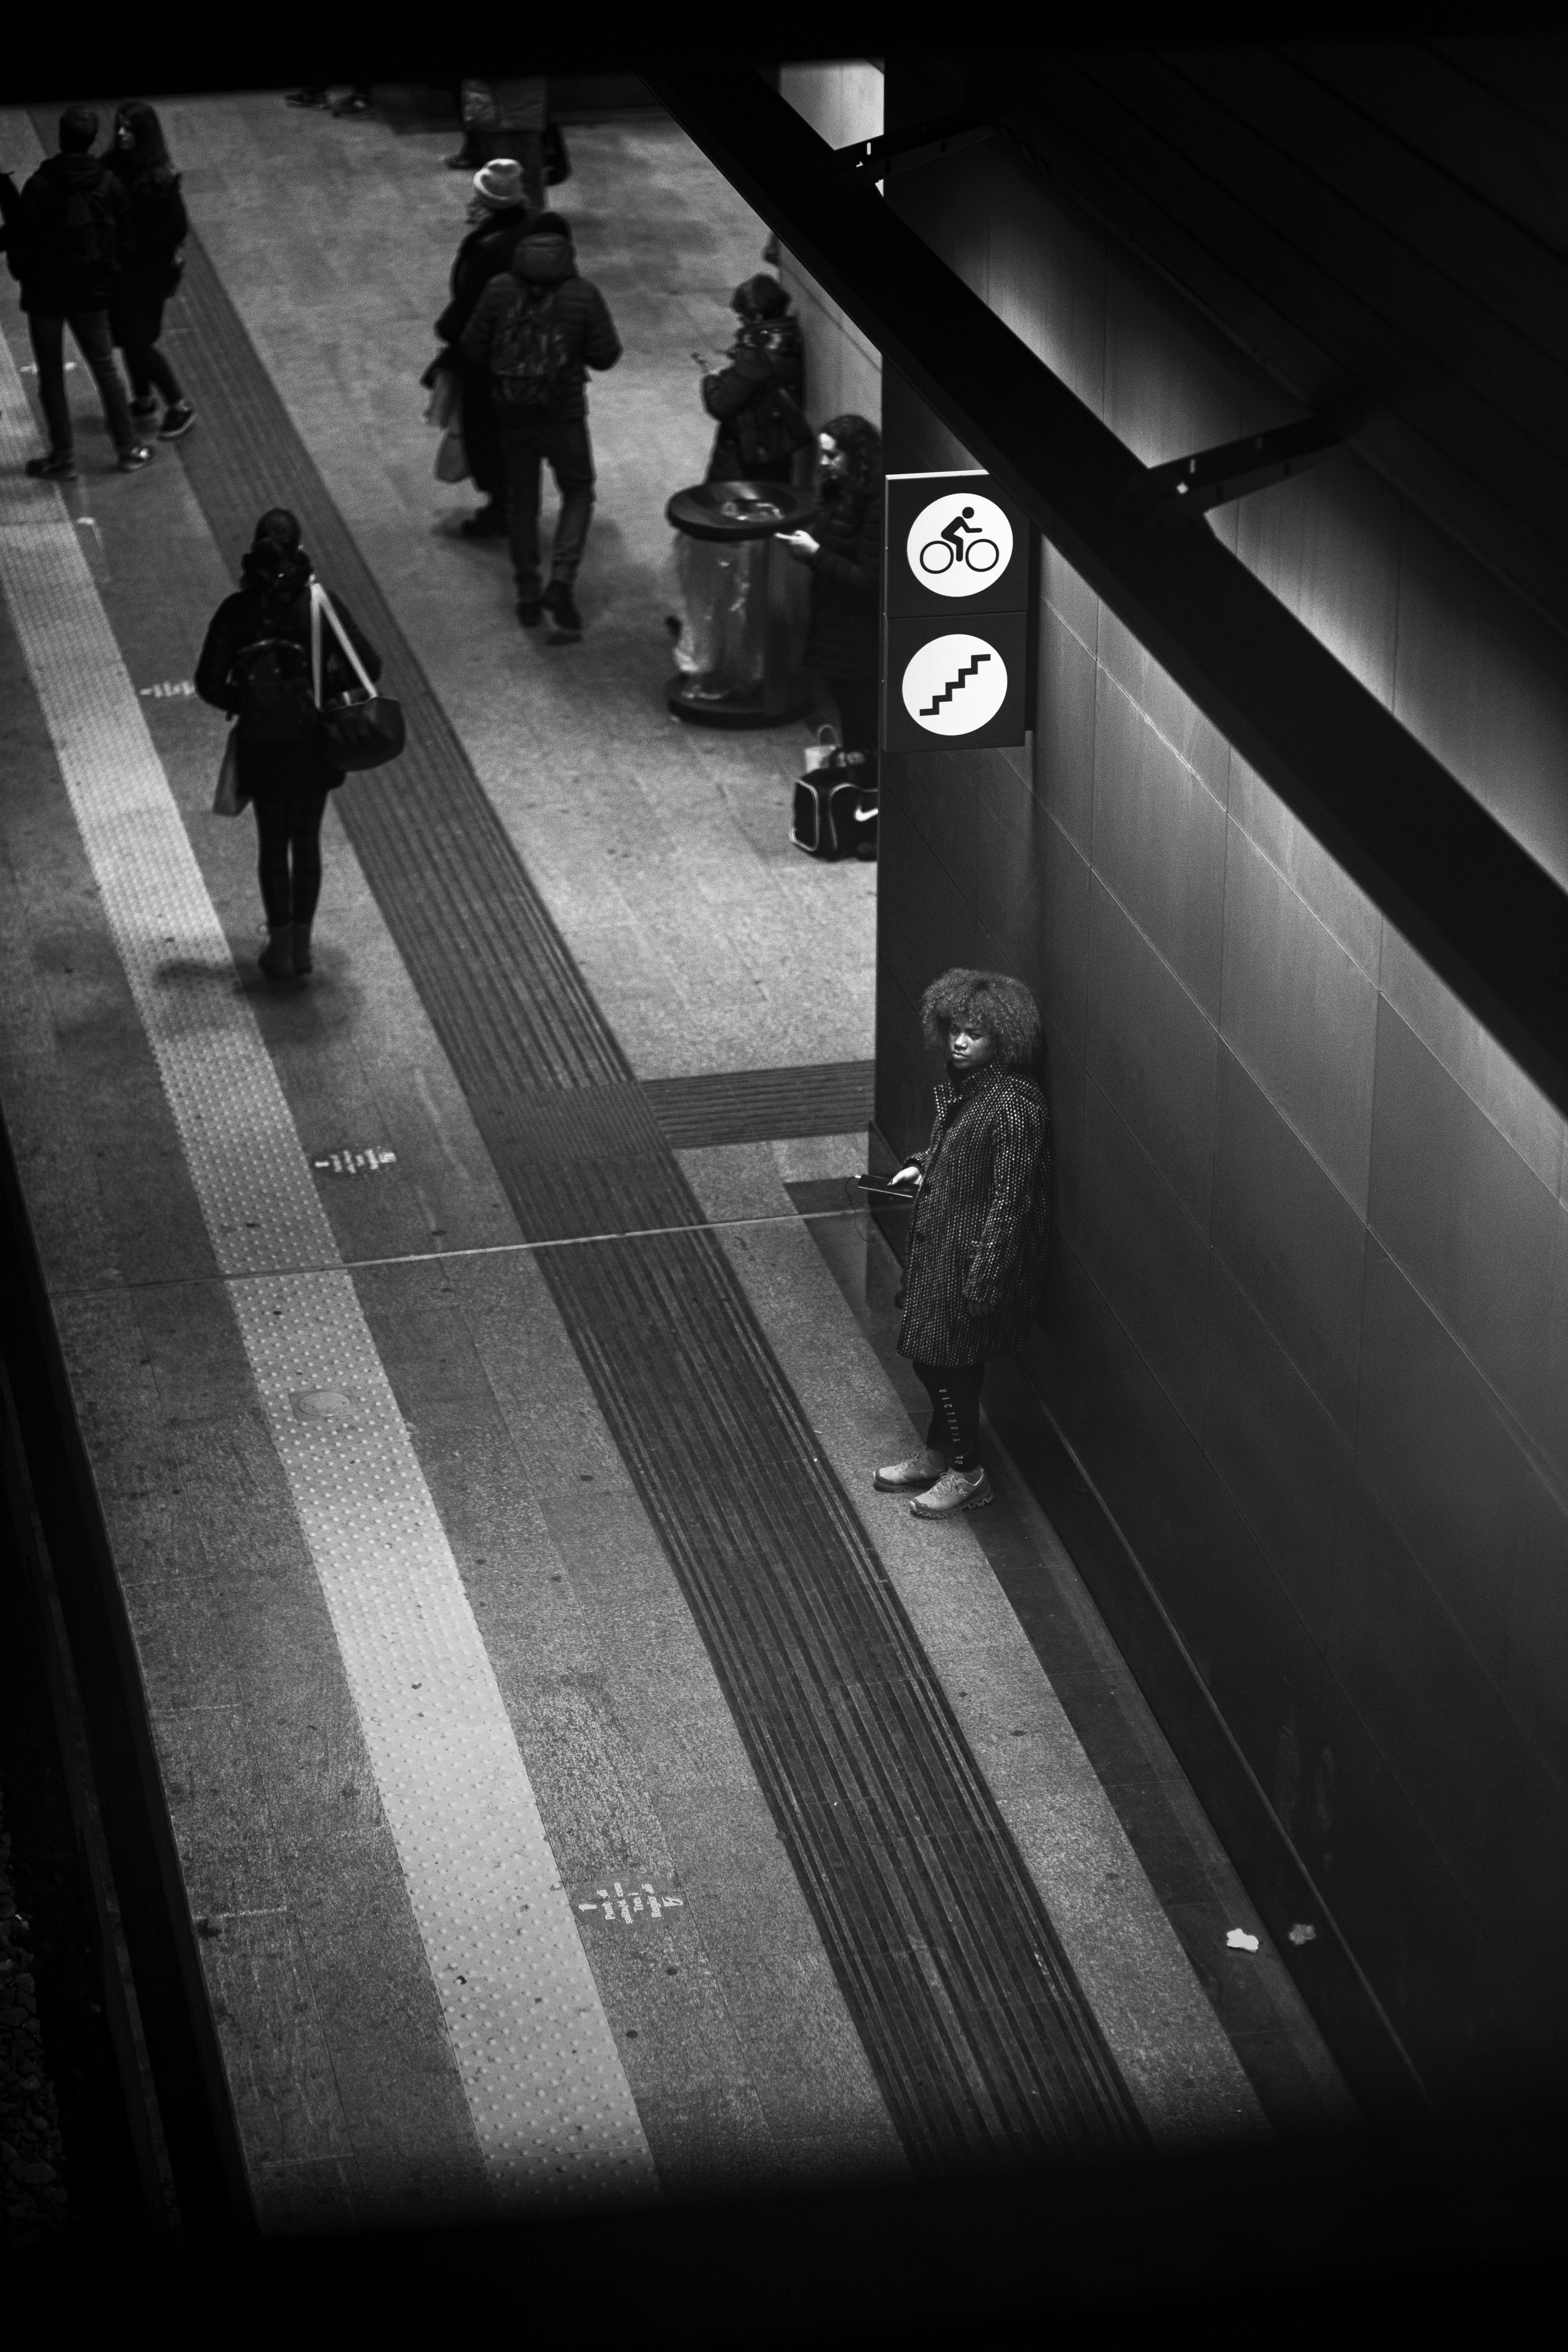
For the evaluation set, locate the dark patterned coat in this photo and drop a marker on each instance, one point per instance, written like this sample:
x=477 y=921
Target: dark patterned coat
x=982 y=1221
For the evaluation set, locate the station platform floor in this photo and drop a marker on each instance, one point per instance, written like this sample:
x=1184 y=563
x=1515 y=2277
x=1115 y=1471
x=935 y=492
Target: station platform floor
x=585 y=1785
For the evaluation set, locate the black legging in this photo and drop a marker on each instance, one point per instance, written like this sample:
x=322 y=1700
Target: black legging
x=289 y=839
x=860 y=717
x=137 y=317
x=954 y=1393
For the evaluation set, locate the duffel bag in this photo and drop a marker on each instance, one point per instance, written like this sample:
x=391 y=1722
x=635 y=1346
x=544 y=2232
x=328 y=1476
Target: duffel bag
x=360 y=728
x=836 y=812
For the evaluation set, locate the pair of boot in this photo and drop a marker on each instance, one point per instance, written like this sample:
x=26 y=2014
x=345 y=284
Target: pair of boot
x=287 y=955
x=939 y=1490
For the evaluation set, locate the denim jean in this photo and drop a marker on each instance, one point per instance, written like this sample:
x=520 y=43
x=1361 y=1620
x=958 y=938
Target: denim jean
x=90 y=329
x=526 y=444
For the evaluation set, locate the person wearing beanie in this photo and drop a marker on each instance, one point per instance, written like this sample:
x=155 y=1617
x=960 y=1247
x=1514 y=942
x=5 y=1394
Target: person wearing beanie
x=496 y=215
x=757 y=398
x=255 y=666
x=538 y=329
x=69 y=234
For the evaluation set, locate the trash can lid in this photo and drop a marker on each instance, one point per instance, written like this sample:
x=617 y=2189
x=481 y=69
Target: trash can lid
x=738 y=509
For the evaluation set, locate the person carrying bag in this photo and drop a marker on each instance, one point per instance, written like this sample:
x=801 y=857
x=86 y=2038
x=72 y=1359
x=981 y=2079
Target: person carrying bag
x=305 y=711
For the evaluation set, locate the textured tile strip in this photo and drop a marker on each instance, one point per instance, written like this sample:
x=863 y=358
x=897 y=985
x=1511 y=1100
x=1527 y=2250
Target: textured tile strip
x=980 y=2036
x=551 y=2106
x=761 y=1106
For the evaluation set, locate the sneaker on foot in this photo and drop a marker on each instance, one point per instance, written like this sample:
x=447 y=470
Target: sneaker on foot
x=358 y=102
x=132 y=460
x=60 y=465
x=922 y=1469
x=144 y=410
x=176 y=420
x=561 y=606
x=529 y=612
x=305 y=98
x=956 y=1490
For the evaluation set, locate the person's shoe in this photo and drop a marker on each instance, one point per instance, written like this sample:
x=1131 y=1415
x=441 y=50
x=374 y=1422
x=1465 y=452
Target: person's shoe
x=132 y=460
x=956 y=1490
x=305 y=98
x=461 y=162
x=529 y=612
x=144 y=410
x=922 y=1470
x=303 y=961
x=60 y=465
x=277 y=958
x=561 y=606
x=487 y=522
x=358 y=102
x=176 y=420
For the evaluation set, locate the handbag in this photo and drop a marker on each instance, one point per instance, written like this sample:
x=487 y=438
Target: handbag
x=360 y=728
x=451 y=455
x=231 y=798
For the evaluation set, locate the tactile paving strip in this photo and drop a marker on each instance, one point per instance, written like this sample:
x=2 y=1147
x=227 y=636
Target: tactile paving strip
x=550 y=2105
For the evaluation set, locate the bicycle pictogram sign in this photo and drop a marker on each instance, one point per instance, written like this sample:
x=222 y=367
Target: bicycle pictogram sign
x=959 y=545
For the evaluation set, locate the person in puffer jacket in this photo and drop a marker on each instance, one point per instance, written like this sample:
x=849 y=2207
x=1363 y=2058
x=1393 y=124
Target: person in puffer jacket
x=498 y=214
x=139 y=159
x=756 y=399
x=539 y=328
x=66 y=240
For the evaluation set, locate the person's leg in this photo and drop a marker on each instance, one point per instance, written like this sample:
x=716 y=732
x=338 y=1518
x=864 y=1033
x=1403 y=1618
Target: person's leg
x=859 y=715
x=481 y=442
x=90 y=329
x=308 y=807
x=520 y=449
x=954 y=1393
x=273 y=815
x=571 y=455
x=48 y=336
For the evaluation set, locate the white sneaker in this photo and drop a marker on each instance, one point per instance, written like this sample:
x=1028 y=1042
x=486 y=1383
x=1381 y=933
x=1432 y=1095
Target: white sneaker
x=922 y=1469
x=957 y=1490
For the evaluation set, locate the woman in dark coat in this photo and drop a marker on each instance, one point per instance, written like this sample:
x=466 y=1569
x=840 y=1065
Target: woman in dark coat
x=844 y=549
x=981 y=1227
x=255 y=665
x=756 y=399
x=151 y=267
x=498 y=214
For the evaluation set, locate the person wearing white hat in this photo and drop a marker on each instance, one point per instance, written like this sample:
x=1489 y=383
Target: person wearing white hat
x=497 y=213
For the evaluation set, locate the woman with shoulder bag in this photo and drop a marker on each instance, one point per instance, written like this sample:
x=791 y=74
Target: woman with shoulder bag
x=151 y=267
x=756 y=399
x=980 y=1233
x=257 y=666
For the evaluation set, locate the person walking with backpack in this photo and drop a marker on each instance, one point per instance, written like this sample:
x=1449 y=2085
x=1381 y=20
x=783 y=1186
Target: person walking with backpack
x=255 y=666
x=538 y=329
x=151 y=268
x=70 y=234
x=756 y=399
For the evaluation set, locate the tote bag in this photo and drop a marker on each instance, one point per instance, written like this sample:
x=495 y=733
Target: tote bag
x=360 y=728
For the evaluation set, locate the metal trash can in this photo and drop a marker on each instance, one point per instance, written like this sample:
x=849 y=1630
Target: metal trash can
x=747 y=604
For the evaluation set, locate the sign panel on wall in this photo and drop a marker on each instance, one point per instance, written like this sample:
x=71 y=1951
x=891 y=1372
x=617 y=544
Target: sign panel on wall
x=957 y=581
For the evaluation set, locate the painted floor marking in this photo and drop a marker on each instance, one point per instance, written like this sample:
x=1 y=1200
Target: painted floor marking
x=549 y=2101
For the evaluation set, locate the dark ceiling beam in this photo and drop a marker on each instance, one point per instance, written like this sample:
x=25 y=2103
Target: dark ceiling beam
x=1483 y=915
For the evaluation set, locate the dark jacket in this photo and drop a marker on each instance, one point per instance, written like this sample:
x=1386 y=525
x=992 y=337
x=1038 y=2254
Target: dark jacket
x=483 y=254
x=44 y=244
x=982 y=1223
x=756 y=400
x=242 y=619
x=157 y=225
x=543 y=271
x=846 y=589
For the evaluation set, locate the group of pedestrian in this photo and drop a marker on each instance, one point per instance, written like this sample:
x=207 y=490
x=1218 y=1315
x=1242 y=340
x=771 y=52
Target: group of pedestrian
x=96 y=244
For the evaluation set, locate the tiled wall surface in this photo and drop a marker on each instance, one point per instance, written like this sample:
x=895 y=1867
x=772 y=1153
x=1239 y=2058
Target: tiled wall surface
x=1307 y=1317
x=842 y=101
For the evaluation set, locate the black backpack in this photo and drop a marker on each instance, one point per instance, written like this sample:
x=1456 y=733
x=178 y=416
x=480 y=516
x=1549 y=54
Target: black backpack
x=276 y=702
x=528 y=354
x=87 y=235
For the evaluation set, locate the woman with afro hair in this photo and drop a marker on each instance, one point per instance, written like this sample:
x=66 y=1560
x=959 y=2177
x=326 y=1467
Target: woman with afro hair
x=981 y=1227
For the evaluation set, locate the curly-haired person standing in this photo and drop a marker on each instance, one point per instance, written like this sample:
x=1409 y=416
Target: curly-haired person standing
x=981 y=1227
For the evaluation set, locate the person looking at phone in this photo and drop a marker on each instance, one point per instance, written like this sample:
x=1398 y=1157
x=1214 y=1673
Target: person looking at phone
x=843 y=547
